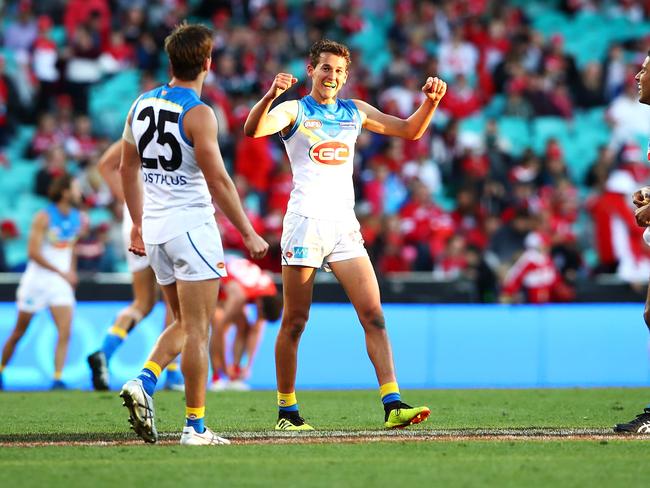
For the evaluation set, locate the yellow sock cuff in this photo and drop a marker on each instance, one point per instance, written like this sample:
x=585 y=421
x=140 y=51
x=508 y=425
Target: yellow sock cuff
x=388 y=388
x=287 y=399
x=195 y=412
x=172 y=367
x=57 y=375
x=153 y=367
x=116 y=331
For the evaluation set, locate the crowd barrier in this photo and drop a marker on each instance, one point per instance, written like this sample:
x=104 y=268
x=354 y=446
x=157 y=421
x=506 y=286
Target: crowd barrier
x=435 y=346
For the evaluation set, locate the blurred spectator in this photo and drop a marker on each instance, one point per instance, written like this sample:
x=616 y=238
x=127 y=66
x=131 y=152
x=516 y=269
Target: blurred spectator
x=54 y=165
x=457 y=56
x=508 y=241
x=627 y=116
x=617 y=238
x=590 y=91
x=534 y=273
x=20 y=34
x=46 y=136
x=81 y=145
x=601 y=168
x=83 y=68
x=45 y=57
x=8 y=231
x=453 y=263
x=10 y=106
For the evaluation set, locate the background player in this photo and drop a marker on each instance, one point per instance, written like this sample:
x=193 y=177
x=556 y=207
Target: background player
x=172 y=136
x=320 y=228
x=641 y=199
x=145 y=289
x=246 y=283
x=51 y=274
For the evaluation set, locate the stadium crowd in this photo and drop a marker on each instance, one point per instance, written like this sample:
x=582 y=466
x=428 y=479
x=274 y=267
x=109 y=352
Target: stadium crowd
x=455 y=203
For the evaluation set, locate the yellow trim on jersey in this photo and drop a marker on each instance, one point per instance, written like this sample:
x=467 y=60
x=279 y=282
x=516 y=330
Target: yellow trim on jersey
x=179 y=107
x=313 y=138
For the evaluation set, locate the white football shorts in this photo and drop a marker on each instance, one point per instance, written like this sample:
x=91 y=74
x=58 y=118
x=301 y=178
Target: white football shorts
x=43 y=290
x=315 y=242
x=195 y=255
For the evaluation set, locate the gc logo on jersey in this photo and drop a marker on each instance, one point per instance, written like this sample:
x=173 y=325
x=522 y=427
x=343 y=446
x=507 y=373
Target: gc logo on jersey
x=329 y=152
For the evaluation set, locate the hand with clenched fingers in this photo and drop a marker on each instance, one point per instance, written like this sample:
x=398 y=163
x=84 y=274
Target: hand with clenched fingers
x=281 y=83
x=434 y=89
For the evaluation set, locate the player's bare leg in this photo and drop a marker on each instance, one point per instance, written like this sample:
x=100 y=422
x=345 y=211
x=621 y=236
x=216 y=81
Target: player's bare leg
x=360 y=284
x=198 y=301
x=145 y=294
x=138 y=393
x=219 y=380
x=297 y=289
x=22 y=322
x=62 y=316
x=358 y=279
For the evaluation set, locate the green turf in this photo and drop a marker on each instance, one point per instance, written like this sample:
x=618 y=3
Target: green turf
x=471 y=464
x=78 y=412
x=537 y=463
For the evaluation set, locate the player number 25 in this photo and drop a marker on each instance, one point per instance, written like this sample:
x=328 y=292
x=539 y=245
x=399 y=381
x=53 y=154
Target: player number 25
x=163 y=138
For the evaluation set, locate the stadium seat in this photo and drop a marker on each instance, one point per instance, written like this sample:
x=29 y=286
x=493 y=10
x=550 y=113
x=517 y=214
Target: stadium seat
x=516 y=131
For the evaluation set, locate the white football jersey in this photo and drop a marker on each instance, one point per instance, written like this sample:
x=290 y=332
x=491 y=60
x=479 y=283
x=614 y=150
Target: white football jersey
x=176 y=196
x=320 y=146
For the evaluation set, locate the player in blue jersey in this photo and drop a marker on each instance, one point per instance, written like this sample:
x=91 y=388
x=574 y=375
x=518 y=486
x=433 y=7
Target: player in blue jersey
x=170 y=143
x=320 y=228
x=641 y=199
x=145 y=290
x=51 y=274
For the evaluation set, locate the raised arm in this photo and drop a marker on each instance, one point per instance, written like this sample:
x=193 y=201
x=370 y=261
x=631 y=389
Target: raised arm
x=201 y=127
x=412 y=128
x=109 y=168
x=260 y=122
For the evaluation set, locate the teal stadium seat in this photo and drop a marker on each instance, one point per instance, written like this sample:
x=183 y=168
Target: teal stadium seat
x=516 y=131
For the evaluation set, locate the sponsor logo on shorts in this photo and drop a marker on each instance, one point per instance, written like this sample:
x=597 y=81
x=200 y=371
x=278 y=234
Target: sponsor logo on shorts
x=288 y=254
x=221 y=265
x=312 y=124
x=329 y=152
x=300 y=252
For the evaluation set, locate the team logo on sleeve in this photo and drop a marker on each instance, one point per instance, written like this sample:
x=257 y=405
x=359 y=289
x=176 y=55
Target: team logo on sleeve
x=329 y=152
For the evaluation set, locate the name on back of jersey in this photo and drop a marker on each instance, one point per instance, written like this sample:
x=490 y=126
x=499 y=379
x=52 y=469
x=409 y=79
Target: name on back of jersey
x=163 y=179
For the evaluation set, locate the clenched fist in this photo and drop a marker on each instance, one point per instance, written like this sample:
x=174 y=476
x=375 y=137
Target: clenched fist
x=281 y=83
x=434 y=89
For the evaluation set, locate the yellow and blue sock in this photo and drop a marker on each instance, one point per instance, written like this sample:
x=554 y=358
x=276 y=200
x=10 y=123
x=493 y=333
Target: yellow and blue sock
x=287 y=402
x=173 y=373
x=194 y=417
x=113 y=339
x=149 y=376
x=389 y=393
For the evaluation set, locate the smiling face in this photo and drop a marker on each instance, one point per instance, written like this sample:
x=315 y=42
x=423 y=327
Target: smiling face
x=328 y=77
x=643 y=81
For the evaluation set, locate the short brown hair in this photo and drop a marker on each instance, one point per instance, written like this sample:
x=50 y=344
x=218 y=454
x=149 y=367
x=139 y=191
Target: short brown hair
x=58 y=186
x=188 y=46
x=327 y=46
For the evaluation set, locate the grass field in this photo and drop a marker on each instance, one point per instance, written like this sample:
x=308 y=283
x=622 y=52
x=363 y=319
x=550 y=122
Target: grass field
x=529 y=438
